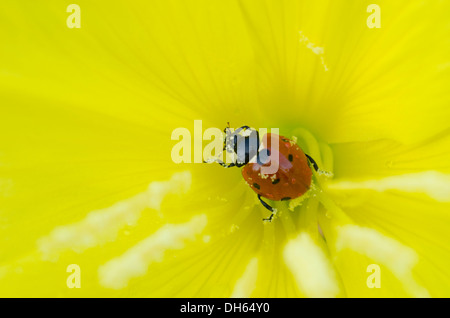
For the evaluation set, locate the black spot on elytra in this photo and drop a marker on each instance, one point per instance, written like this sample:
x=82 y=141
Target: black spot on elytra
x=285 y=140
x=290 y=157
x=256 y=186
x=285 y=199
x=275 y=181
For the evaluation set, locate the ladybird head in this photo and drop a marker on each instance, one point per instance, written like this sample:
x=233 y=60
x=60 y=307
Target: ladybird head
x=243 y=143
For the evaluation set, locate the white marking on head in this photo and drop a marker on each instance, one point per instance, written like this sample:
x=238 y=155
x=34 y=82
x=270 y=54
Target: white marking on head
x=246 y=132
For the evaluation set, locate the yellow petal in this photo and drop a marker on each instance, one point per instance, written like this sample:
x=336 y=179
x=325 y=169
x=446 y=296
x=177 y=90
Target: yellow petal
x=378 y=83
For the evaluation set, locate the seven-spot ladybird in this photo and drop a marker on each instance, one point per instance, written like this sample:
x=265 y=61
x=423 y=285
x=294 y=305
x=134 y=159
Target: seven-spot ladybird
x=294 y=174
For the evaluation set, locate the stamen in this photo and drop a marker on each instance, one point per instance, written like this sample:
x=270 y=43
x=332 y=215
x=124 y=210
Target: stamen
x=315 y=49
x=327 y=174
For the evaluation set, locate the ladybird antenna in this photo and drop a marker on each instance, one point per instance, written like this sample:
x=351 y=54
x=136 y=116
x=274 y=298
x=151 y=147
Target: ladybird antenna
x=268 y=207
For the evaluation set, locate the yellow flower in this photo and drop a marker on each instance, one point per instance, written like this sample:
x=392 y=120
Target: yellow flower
x=86 y=175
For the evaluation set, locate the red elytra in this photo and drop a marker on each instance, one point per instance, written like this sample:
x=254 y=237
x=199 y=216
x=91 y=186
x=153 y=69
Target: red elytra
x=293 y=177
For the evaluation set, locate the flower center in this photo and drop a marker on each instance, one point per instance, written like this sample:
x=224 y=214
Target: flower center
x=318 y=150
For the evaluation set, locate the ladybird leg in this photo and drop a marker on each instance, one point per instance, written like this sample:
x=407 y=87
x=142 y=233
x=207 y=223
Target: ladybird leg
x=268 y=207
x=316 y=167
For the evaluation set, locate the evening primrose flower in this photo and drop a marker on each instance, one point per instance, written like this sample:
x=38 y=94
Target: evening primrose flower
x=86 y=175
